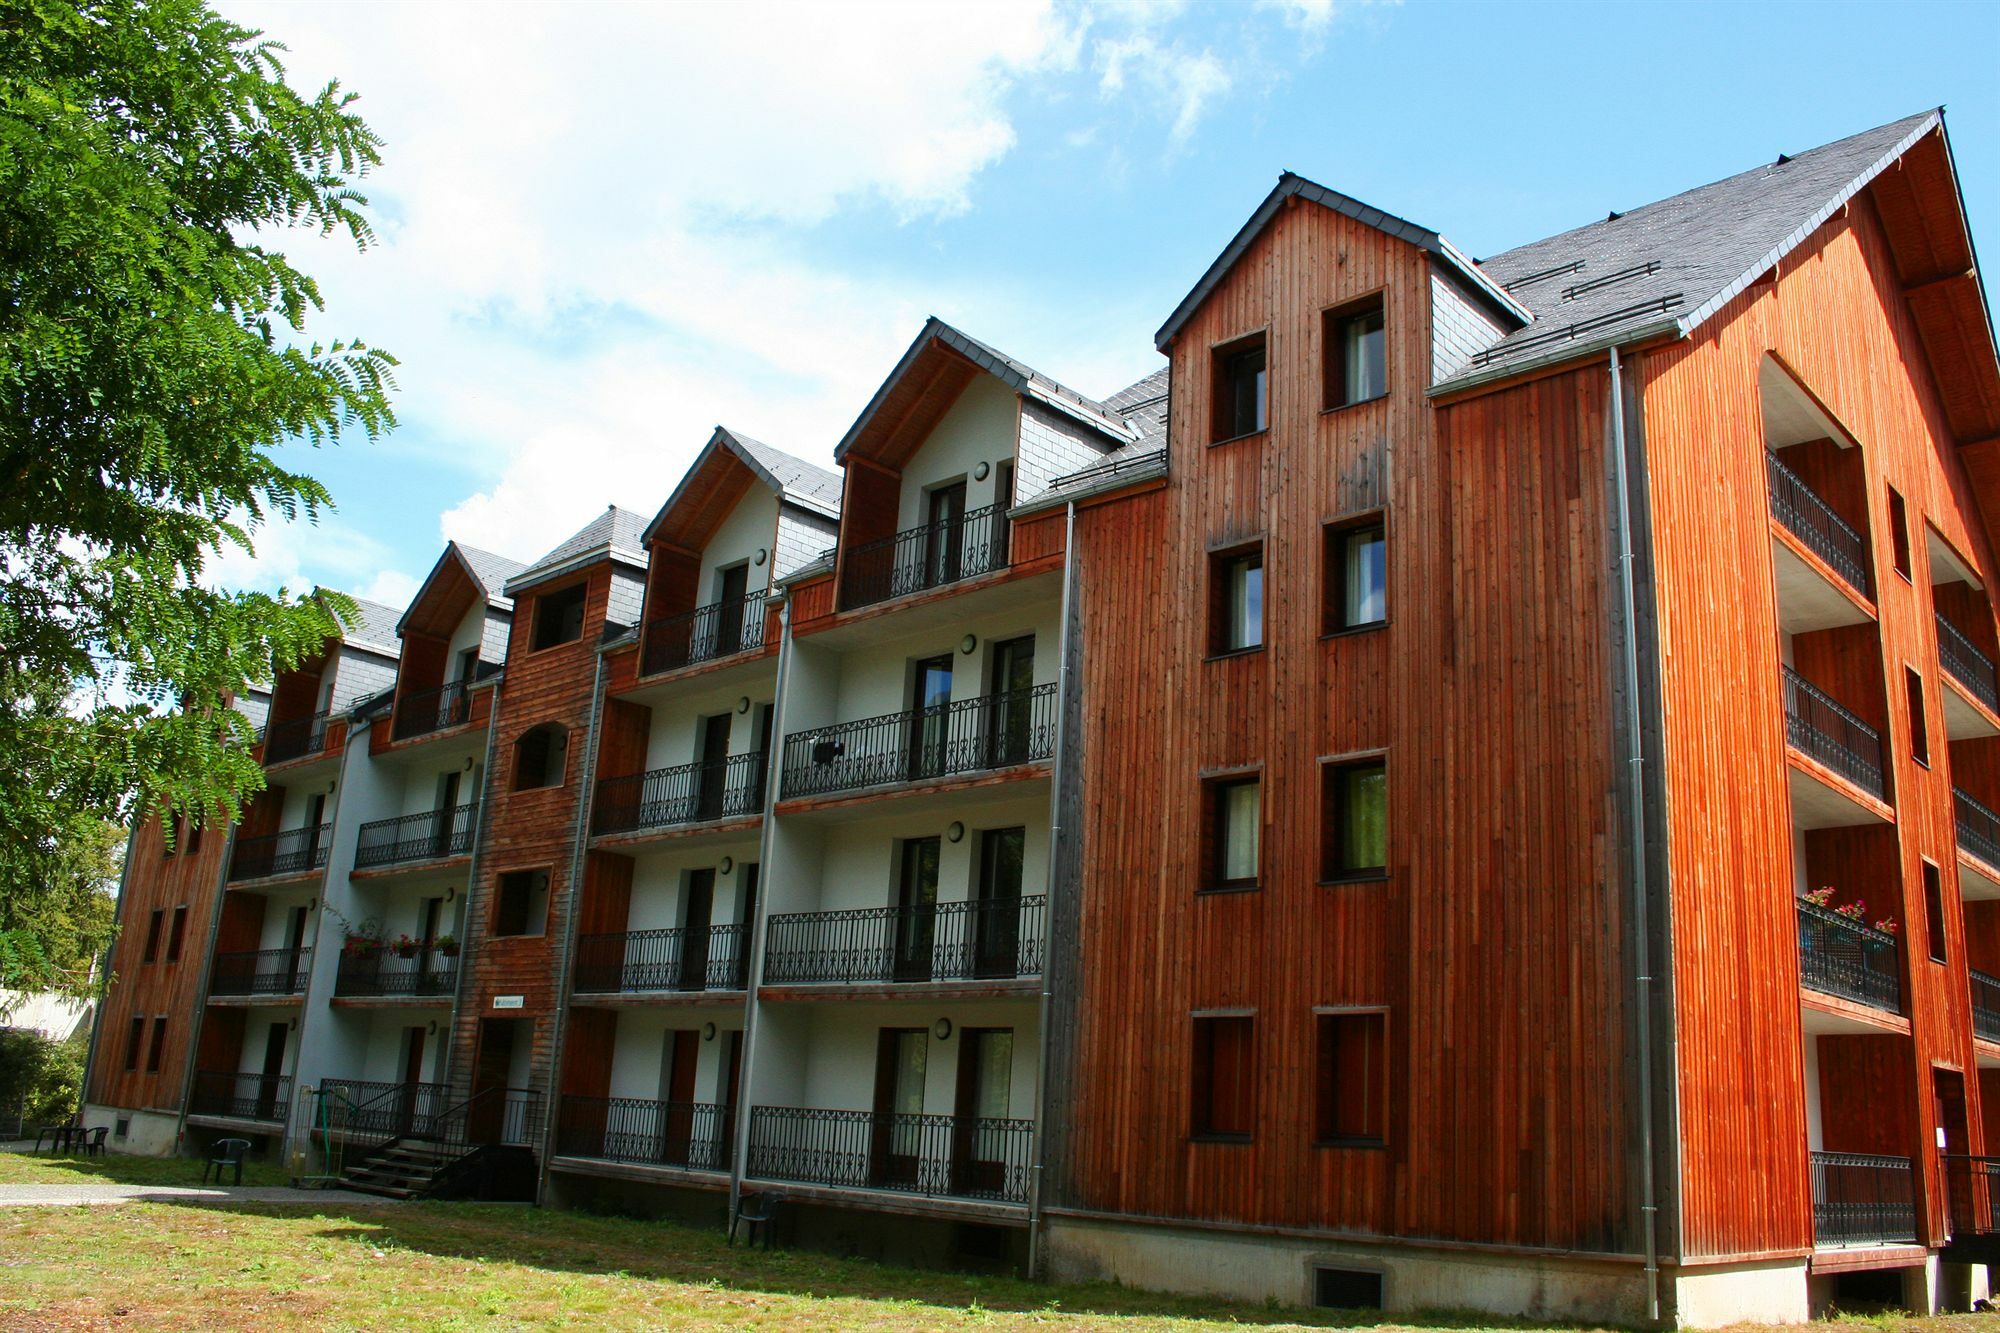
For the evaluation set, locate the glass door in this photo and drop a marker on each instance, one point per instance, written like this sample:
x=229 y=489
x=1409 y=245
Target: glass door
x=930 y=723
x=713 y=772
x=996 y=919
x=944 y=535
x=900 y=1058
x=732 y=587
x=916 y=910
x=1010 y=707
x=980 y=1135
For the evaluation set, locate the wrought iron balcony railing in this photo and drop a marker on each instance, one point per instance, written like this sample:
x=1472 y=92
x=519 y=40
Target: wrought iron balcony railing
x=430 y=836
x=295 y=739
x=1863 y=1199
x=1812 y=520
x=260 y=1097
x=923 y=557
x=293 y=852
x=1985 y=1005
x=923 y=744
x=935 y=1155
x=662 y=960
x=1972 y=1195
x=992 y=938
x=261 y=972
x=1840 y=956
x=705 y=634
x=1817 y=726
x=385 y=1110
x=425 y=711
x=385 y=974
x=1963 y=661
x=695 y=1136
x=1978 y=828
x=685 y=794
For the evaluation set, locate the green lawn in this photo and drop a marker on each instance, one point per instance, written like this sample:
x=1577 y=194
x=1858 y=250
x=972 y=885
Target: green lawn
x=18 y=1168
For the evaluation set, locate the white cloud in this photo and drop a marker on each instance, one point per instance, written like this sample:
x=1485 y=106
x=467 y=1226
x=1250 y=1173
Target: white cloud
x=294 y=556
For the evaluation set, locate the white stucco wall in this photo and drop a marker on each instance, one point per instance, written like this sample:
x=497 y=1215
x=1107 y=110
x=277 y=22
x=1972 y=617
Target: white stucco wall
x=638 y=1059
x=983 y=426
x=751 y=527
x=659 y=874
x=675 y=734
x=860 y=859
x=874 y=678
x=832 y=1049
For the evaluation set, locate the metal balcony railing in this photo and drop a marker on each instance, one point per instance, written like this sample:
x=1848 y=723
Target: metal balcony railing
x=686 y=794
x=259 y=1097
x=923 y=557
x=695 y=1136
x=293 y=852
x=430 y=836
x=1842 y=957
x=1819 y=727
x=261 y=972
x=935 y=1155
x=1813 y=521
x=385 y=974
x=1985 y=1005
x=923 y=744
x=1863 y=1199
x=1978 y=828
x=705 y=634
x=1963 y=661
x=424 y=711
x=996 y=938
x=662 y=960
x=295 y=739
x=386 y=1110
x=1972 y=1195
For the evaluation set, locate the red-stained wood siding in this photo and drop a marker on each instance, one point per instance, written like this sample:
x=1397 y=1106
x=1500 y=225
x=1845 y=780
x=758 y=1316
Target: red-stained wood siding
x=1037 y=538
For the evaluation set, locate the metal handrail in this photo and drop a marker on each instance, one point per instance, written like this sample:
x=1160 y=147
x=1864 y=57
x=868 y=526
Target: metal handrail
x=381 y=972
x=930 y=555
x=295 y=739
x=388 y=1109
x=1963 y=661
x=1817 y=725
x=992 y=938
x=705 y=634
x=260 y=972
x=684 y=794
x=922 y=744
x=695 y=1136
x=428 y=836
x=661 y=960
x=934 y=1155
x=1840 y=956
x=424 y=711
x=1972 y=1194
x=1813 y=521
x=292 y=852
x=241 y=1096
x=1863 y=1199
x=1978 y=827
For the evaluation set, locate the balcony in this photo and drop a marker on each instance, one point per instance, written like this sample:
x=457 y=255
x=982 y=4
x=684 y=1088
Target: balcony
x=962 y=941
x=662 y=960
x=937 y=1156
x=705 y=634
x=923 y=744
x=293 y=852
x=426 y=711
x=693 y=1136
x=273 y=972
x=383 y=1110
x=925 y=557
x=385 y=975
x=1972 y=1201
x=1985 y=1006
x=433 y=835
x=1863 y=1199
x=261 y=1097
x=295 y=739
x=686 y=794
x=1841 y=957
x=1799 y=509
x=1822 y=730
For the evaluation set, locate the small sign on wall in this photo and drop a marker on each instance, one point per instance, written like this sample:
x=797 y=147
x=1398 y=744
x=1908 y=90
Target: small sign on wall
x=509 y=1001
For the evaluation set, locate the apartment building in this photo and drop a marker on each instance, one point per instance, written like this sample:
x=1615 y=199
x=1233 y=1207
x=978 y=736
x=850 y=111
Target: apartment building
x=1471 y=786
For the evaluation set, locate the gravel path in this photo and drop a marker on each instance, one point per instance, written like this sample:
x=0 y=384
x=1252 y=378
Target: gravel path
x=44 y=1196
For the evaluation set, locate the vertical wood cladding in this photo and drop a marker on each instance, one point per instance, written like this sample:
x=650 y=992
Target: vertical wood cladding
x=1836 y=317
x=1494 y=941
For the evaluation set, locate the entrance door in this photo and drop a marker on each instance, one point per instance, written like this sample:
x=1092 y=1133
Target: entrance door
x=746 y=917
x=981 y=1140
x=944 y=535
x=486 y=1119
x=295 y=943
x=413 y=1075
x=315 y=817
x=930 y=728
x=897 y=1155
x=916 y=910
x=732 y=1090
x=442 y=824
x=677 y=1066
x=428 y=981
x=1962 y=1186
x=996 y=917
x=269 y=1101
x=732 y=586
x=699 y=900
x=713 y=772
x=1010 y=716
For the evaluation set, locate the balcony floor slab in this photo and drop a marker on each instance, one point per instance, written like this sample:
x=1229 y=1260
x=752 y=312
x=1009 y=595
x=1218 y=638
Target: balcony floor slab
x=919 y=797
x=658 y=999
x=1822 y=798
x=1859 y=1258
x=609 y=1169
x=877 y=992
x=392 y=1001
x=890 y=1201
x=1822 y=1014
x=676 y=836
x=1965 y=718
x=290 y=1001
x=1810 y=595
x=1977 y=881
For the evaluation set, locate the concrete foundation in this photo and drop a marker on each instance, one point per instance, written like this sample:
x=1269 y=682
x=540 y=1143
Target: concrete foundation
x=147 y=1133
x=1768 y=1293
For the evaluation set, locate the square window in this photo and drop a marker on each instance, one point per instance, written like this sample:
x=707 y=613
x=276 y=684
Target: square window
x=1356 y=576
x=1225 y=1083
x=541 y=756
x=559 y=616
x=521 y=903
x=1351 y=1103
x=1236 y=600
x=1240 y=389
x=1354 y=820
x=1234 y=828
x=1357 y=353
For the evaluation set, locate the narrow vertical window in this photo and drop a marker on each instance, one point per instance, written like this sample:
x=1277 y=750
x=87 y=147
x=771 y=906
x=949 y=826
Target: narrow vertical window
x=1899 y=533
x=1236 y=600
x=135 y=1041
x=177 y=936
x=1356 y=347
x=1934 y=912
x=1354 y=820
x=1240 y=389
x=153 y=928
x=1356 y=576
x=157 y=1050
x=1234 y=818
x=1351 y=1102
x=1224 y=1095
x=1920 y=739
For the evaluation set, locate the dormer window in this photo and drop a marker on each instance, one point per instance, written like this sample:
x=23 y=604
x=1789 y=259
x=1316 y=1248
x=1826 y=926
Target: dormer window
x=559 y=616
x=540 y=757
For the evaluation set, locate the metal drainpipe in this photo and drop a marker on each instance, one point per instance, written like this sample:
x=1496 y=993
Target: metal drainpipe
x=739 y=1154
x=1643 y=982
x=1042 y=1108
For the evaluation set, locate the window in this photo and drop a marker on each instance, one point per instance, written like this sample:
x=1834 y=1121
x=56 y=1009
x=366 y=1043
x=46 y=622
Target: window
x=1240 y=389
x=521 y=903
x=1236 y=600
x=1225 y=1086
x=135 y=1041
x=1920 y=739
x=1356 y=576
x=1899 y=533
x=157 y=1050
x=153 y=927
x=559 y=616
x=178 y=935
x=1934 y=912
x=1234 y=825
x=1354 y=820
x=1357 y=353
x=1347 y=1289
x=193 y=839
x=1350 y=1084
x=540 y=757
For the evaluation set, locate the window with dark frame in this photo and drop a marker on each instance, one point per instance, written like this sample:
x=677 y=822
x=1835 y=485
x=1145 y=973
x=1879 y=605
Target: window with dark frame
x=1354 y=820
x=1899 y=533
x=1236 y=600
x=1350 y=1084
x=1920 y=738
x=154 y=925
x=541 y=756
x=177 y=935
x=1356 y=576
x=135 y=1042
x=156 y=1051
x=1934 y=912
x=521 y=903
x=1233 y=831
x=1224 y=1095
x=1241 y=388
x=1356 y=346
x=193 y=839
x=559 y=616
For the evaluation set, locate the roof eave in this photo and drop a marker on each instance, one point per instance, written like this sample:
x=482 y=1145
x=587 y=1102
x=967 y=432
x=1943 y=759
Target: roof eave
x=1581 y=350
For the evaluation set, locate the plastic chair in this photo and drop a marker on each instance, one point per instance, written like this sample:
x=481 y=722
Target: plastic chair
x=90 y=1142
x=758 y=1212
x=59 y=1136
x=225 y=1154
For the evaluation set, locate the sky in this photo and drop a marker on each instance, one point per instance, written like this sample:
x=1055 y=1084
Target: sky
x=605 y=229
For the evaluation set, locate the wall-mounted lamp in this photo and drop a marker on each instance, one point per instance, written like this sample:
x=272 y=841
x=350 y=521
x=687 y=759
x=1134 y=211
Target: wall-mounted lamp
x=728 y=864
x=468 y=763
x=331 y=785
x=449 y=894
x=743 y=704
x=982 y=472
x=434 y=1027
x=956 y=832
x=708 y=1031
x=312 y=904
x=295 y=1025
x=761 y=556
x=968 y=643
x=943 y=1029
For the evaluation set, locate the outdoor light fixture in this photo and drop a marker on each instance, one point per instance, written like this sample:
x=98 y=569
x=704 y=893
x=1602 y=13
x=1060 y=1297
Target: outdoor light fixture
x=468 y=763
x=311 y=903
x=955 y=832
x=943 y=1029
x=762 y=555
x=728 y=864
x=981 y=472
x=743 y=704
x=968 y=643
x=708 y=1031
x=450 y=893
x=434 y=1027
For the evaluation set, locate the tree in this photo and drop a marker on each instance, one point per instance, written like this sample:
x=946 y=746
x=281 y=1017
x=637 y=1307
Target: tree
x=152 y=361
x=56 y=924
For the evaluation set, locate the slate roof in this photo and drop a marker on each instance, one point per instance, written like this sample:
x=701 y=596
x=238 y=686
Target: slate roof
x=802 y=483
x=1142 y=407
x=492 y=571
x=373 y=626
x=616 y=533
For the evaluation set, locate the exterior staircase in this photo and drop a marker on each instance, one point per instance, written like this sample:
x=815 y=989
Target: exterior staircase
x=402 y=1168
x=475 y=1149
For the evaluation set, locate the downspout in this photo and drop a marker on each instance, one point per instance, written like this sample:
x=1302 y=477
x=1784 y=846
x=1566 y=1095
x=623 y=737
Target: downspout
x=1636 y=790
x=1038 y=1153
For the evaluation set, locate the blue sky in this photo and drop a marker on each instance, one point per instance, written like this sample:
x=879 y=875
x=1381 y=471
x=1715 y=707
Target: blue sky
x=605 y=229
